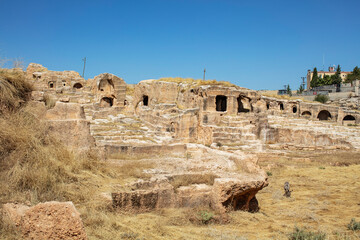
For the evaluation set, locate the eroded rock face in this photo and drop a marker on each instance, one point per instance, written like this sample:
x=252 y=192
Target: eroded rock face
x=49 y=220
x=207 y=177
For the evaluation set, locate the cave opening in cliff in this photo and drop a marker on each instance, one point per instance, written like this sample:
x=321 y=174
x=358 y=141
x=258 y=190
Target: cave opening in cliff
x=324 y=115
x=146 y=100
x=241 y=107
x=294 y=109
x=267 y=106
x=106 y=102
x=221 y=103
x=78 y=85
x=281 y=106
x=306 y=114
x=349 y=119
x=243 y=202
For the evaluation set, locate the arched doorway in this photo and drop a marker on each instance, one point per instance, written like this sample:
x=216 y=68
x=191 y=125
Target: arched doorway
x=349 y=119
x=241 y=101
x=306 y=114
x=106 y=102
x=324 y=115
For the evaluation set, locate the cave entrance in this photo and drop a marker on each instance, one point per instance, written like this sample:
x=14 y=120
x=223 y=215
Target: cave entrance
x=306 y=114
x=267 y=106
x=348 y=119
x=281 y=106
x=106 y=102
x=294 y=109
x=324 y=115
x=145 y=100
x=77 y=85
x=241 y=101
x=221 y=103
x=244 y=202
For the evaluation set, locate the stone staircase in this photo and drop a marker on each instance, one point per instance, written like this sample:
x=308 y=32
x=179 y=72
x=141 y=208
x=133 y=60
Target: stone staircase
x=120 y=129
x=237 y=133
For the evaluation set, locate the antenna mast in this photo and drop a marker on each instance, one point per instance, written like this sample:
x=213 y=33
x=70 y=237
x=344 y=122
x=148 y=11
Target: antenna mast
x=84 y=59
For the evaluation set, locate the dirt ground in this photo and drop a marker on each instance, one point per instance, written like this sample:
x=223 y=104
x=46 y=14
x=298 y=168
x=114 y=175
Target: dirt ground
x=325 y=197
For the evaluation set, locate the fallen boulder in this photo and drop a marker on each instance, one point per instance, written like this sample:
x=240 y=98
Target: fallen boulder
x=49 y=220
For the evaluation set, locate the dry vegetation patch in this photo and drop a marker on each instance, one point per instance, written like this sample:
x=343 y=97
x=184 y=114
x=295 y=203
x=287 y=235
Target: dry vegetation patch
x=188 y=179
x=196 y=82
x=14 y=90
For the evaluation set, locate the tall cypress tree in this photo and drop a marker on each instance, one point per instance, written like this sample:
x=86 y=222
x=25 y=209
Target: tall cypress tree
x=336 y=78
x=315 y=79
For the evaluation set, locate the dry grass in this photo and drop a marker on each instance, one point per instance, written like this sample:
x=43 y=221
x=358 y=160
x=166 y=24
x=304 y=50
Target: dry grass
x=274 y=94
x=189 y=179
x=130 y=89
x=14 y=90
x=49 y=101
x=196 y=82
x=36 y=166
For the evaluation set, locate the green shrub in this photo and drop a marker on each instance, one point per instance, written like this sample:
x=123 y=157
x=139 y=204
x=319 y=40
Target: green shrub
x=321 y=98
x=205 y=216
x=269 y=173
x=354 y=225
x=301 y=234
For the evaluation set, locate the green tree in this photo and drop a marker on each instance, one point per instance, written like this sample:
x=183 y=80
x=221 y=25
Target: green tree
x=315 y=78
x=288 y=90
x=327 y=80
x=321 y=81
x=300 y=90
x=336 y=78
x=354 y=75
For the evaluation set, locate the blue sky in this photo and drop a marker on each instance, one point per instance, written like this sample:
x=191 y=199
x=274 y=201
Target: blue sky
x=254 y=44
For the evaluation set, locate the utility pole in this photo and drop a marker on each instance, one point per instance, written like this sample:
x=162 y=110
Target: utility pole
x=84 y=59
x=303 y=82
x=204 y=73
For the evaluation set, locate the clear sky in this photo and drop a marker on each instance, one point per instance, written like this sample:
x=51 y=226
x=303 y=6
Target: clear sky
x=254 y=44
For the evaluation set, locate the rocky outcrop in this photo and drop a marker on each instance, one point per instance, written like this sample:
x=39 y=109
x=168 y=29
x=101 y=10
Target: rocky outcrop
x=204 y=178
x=49 y=220
x=67 y=123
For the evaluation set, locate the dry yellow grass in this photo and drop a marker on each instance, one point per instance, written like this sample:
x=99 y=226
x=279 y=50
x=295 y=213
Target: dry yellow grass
x=130 y=89
x=189 y=179
x=196 y=82
x=14 y=90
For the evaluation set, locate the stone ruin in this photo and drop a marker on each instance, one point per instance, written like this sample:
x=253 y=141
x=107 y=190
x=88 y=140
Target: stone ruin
x=202 y=134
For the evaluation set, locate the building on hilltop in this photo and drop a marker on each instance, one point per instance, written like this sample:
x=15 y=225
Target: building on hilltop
x=321 y=74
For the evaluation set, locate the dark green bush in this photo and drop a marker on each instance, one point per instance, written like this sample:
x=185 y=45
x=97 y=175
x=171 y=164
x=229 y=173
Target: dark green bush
x=321 y=98
x=354 y=225
x=301 y=234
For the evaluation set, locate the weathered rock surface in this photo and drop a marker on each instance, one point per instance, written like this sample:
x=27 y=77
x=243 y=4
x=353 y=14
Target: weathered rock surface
x=205 y=177
x=49 y=220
